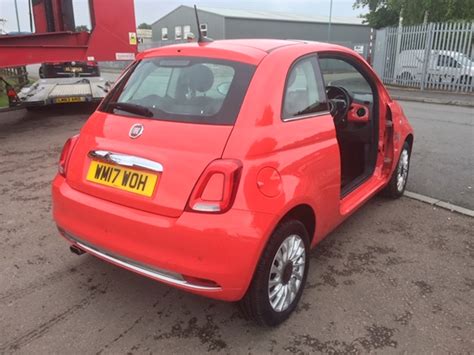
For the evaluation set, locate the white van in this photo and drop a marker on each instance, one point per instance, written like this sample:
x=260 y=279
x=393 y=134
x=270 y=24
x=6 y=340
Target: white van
x=444 y=67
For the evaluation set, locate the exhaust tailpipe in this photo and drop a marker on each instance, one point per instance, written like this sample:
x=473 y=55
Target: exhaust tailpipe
x=76 y=250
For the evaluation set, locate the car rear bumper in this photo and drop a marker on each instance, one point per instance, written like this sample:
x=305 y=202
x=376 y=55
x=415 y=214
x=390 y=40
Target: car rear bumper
x=211 y=255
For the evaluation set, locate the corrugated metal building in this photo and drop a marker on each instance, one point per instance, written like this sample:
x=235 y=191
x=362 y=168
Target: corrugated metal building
x=220 y=23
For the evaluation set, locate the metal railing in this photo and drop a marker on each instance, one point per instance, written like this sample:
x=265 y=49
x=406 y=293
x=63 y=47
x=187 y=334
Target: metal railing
x=17 y=77
x=434 y=56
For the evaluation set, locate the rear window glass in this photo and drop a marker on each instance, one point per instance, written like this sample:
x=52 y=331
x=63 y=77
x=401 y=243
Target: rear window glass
x=183 y=89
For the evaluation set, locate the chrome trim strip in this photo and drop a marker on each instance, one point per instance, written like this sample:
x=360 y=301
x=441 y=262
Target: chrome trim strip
x=204 y=207
x=154 y=273
x=309 y=115
x=125 y=160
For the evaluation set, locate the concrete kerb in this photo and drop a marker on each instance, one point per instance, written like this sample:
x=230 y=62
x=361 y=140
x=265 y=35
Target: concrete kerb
x=438 y=203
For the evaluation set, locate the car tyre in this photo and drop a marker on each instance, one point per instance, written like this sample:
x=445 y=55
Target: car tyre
x=280 y=276
x=398 y=181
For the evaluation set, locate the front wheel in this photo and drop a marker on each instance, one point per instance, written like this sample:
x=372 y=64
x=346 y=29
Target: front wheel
x=280 y=276
x=398 y=181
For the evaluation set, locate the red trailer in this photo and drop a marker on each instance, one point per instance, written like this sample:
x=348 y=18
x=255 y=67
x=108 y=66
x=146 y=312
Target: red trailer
x=112 y=37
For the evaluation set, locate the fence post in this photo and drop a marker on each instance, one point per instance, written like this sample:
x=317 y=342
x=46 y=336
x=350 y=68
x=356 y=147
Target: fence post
x=379 y=52
x=399 y=45
x=427 y=55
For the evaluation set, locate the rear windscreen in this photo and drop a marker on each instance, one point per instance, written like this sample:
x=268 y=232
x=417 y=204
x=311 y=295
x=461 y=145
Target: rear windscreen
x=183 y=89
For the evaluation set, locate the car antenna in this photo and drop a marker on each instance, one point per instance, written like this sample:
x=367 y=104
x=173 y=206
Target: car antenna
x=201 y=38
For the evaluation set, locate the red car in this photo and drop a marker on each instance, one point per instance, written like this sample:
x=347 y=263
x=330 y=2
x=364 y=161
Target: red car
x=216 y=167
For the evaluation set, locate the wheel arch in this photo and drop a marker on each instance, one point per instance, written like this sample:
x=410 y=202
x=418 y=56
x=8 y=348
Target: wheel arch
x=409 y=139
x=302 y=212
x=305 y=214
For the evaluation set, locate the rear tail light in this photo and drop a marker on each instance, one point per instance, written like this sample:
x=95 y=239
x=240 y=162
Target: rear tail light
x=216 y=188
x=91 y=64
x=65 y=154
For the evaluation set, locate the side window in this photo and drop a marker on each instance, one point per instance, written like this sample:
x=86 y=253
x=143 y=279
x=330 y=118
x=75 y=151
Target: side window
x=338 y=72
x=177 y=33
x=187 y=31
x=304 y=93
x=164 y=33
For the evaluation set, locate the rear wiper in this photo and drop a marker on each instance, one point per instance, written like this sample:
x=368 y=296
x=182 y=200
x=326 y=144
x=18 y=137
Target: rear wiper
x=132 y=108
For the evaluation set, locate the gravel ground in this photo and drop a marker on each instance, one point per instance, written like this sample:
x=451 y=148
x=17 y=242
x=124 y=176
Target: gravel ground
x=396 y=277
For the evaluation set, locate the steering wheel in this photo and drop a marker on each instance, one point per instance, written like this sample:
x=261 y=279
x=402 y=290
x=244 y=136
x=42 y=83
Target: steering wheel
x=339 y=104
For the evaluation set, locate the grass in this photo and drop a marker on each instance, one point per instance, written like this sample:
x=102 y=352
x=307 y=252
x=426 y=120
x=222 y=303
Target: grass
x=3 y=100
x=3 y=94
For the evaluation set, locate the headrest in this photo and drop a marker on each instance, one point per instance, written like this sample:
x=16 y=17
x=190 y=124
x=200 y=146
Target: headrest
x=291 y=79
x=201 y=77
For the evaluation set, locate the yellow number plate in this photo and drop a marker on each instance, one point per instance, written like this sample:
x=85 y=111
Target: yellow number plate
x=67 y=100
x=122 y=178
x=73 y=69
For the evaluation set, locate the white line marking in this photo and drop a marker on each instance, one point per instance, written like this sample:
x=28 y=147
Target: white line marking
x=438 y=203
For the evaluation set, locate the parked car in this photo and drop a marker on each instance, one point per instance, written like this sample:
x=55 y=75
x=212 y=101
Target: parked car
x=68 y=69
x=443 y=67
x=216 y=167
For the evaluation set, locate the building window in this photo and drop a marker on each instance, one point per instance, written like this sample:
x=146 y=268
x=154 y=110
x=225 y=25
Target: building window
x=164 y=34
x=186 y=31
x=178 y=33
x=204 y=29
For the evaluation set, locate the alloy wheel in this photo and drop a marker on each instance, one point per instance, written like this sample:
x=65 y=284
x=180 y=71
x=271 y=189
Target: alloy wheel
x=286 y=273
x=402 y=170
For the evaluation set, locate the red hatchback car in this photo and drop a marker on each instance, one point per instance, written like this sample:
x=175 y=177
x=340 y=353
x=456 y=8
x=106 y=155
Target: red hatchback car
x=216 y=167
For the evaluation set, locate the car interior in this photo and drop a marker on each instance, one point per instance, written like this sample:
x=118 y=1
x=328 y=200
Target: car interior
x=188 y=90
x=353 y=103
x=197 y=90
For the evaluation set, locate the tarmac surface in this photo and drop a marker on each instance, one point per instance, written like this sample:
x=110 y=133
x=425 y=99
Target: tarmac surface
x=397 y=276
x=431 y=96
x=442 y=163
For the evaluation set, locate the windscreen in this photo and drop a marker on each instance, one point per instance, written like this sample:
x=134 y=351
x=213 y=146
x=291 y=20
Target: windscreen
x=190 y=89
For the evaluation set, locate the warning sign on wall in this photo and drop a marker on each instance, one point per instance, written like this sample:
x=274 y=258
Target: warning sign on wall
x=359 y=48
x=124 y=56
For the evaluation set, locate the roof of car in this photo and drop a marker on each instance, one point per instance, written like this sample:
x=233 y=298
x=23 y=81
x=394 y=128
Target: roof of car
x=251 y=49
